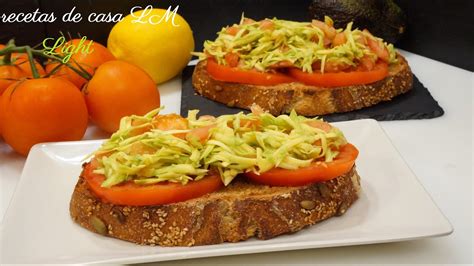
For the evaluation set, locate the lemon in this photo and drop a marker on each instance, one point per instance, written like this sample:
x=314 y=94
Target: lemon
x=157 y=40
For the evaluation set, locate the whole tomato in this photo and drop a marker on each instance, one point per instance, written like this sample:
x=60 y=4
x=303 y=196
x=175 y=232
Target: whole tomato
x=119 y=89
x=42 y=110
x=88 y=61
x=10 y=74
x=1 y=117
x=19 y=67
x=21 y=60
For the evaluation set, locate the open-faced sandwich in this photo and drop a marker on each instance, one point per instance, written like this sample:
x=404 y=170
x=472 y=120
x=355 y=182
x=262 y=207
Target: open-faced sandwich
x=173 y=181
x=310 y=67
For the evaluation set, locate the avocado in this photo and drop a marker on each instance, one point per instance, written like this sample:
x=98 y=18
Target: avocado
x=383 y=18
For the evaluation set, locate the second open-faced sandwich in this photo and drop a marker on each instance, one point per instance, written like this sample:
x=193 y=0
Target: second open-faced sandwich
x=310 y=67
x=173 y=181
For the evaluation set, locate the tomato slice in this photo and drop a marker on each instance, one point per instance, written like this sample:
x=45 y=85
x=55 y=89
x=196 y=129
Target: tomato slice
x=201 y=133
x=137 y=195
x=236 y=75
x=339 y=79
x=316 y=172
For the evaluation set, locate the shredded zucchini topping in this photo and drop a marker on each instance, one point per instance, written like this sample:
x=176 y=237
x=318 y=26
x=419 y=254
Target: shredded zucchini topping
x=309 y=46
x=230 y=144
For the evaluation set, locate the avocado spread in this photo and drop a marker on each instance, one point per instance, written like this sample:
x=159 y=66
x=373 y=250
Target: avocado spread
x=232 y=144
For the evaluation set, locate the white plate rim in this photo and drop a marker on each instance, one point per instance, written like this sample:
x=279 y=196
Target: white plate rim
x=218 y=251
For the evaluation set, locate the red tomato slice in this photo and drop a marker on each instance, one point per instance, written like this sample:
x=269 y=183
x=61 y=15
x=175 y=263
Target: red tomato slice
x=201 y=133
x=316 y=172
x=339 y=79
x=137 y=195
x=236 y=75
x=232 y=59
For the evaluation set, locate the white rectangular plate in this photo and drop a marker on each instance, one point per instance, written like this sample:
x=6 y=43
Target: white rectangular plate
x=393 y=206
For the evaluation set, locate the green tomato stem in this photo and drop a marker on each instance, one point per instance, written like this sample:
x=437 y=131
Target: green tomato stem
x=81 y=73
x=34 y=70
x=7 y=59
x=11 y=48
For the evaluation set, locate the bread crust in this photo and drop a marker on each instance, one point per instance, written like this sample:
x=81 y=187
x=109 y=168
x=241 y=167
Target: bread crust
x=304 y=99
x=239 y=211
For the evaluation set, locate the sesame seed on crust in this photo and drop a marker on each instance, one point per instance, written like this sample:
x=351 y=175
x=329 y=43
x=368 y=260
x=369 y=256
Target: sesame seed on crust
x=306 y=100
x=239 y=211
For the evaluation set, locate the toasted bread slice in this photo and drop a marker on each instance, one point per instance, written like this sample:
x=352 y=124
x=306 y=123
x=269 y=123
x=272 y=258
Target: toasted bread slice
x=237 y=212
x=305 y=100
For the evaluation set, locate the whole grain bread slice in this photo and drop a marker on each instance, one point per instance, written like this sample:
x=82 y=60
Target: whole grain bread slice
x=239 y=211
x=305 y=100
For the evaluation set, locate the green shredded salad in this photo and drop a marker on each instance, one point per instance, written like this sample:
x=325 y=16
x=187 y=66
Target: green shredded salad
x=235 y=144
x=263 y=44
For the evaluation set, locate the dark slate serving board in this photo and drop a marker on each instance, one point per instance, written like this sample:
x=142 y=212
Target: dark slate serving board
x=416 y=104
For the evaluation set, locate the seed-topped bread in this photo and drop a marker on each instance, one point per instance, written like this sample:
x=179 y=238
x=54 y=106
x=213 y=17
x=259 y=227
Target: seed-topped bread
x=237 y=212
x=174 y=181
x=304 y=99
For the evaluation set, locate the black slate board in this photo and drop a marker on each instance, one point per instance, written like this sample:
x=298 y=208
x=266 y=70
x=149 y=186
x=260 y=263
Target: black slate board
x=416 y=104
